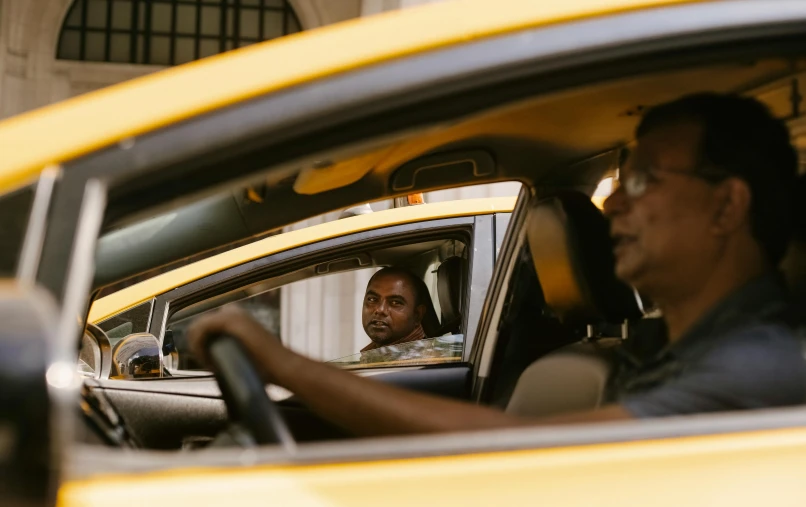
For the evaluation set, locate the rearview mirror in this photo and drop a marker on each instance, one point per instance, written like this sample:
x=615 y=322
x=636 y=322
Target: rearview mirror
x=137 y=356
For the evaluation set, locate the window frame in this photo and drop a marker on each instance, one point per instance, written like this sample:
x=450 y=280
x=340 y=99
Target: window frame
x=137 y=327
x=477 y=229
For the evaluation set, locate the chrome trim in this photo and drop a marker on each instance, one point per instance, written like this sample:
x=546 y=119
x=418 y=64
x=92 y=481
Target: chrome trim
x=37 y=225
x=138 y=355
x=491 y=331
x=151 y=304
x=166 y=310
x=639 y=301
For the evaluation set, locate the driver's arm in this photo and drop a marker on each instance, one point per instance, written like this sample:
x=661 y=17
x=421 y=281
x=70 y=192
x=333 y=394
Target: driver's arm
x=361 y=405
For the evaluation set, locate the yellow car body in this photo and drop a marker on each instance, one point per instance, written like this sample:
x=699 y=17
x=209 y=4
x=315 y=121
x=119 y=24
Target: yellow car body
x=759 y=466
x=129 y=109
x=739 y=469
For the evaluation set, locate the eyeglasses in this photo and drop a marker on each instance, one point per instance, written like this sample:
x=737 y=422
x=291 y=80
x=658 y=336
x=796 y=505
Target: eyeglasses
x=636 y=183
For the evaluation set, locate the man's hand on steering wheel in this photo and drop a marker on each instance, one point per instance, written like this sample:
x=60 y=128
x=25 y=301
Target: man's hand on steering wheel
x=245 y=357
x=269 y=356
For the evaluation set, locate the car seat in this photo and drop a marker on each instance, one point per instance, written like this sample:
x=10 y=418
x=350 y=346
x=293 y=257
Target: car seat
x=793 y=265
x=431 y=324
x=571 y=249
x=451 y=276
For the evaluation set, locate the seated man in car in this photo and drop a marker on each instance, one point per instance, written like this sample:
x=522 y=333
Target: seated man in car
x=700 y=223
x=399 y=317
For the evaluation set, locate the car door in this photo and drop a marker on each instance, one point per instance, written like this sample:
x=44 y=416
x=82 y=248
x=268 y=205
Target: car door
x=183 y=409
x=519 y=58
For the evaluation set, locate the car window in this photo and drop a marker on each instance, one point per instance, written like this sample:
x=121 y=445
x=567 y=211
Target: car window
x=133 y=320
x=337 y=334
x=501 y=225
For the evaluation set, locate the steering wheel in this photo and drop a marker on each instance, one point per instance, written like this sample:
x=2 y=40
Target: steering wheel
x=245 y=394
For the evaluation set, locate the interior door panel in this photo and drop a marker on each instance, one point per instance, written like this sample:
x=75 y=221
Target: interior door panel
x=172 y=413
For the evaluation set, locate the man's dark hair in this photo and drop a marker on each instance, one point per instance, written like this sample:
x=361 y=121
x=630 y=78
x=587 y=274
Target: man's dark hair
x=421 y=294
x=744 y=139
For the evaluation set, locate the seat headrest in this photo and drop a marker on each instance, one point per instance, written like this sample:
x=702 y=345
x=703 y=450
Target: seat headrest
x=572 y=251
x=450 y=280
x=430 y=322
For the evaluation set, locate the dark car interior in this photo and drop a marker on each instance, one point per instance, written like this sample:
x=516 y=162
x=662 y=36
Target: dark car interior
x=448 y=256
x=177 y=412
x=564 y=315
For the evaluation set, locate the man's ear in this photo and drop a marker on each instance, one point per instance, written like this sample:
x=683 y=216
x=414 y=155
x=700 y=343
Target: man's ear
x=419 y=313
x=733 y=205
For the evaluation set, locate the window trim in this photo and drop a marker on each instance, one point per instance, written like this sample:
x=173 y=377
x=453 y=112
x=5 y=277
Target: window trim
x=511 y=244
x=278 y=263
x=481 y=263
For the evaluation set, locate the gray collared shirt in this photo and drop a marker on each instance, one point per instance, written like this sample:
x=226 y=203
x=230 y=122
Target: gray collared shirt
x=736 y=357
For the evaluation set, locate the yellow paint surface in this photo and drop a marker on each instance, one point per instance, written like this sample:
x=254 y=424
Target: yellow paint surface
x=75 y=127
x=145 y=290
x=744 y=469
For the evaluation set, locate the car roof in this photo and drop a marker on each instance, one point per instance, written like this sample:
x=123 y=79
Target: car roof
x=70 y=129
x=147 y=289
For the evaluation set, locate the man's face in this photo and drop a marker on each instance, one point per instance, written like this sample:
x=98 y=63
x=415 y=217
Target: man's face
x=663 y=238
x=389 y=312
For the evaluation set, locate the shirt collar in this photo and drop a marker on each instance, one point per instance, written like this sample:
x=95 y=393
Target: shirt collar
x=761 y=295
x=416 y=334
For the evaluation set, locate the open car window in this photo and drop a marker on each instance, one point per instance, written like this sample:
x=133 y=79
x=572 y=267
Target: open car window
x=335 y=290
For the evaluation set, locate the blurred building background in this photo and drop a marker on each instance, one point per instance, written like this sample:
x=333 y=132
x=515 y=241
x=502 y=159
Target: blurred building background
x=51 y=50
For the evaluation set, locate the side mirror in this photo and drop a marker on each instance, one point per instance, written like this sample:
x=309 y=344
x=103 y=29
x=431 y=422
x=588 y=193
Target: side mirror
x=137 y=356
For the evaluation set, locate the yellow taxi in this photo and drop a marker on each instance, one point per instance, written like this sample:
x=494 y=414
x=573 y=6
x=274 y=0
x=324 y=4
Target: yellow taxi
x=446 y=95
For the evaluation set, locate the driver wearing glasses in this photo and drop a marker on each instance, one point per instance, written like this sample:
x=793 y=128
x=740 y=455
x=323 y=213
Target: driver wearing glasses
x=700 y=223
